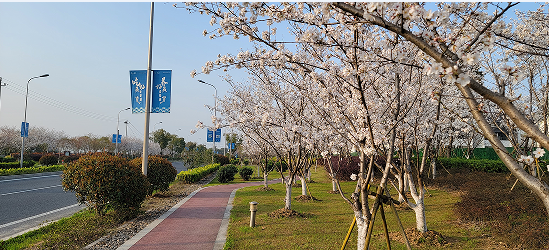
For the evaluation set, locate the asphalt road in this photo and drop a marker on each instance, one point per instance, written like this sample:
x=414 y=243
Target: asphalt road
x=29 y=201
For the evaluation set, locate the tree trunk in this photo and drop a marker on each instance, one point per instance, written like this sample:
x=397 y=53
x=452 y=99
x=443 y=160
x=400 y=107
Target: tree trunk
x=288 y=198
x=303 y=185
x=421 y=221
x=362 y=228
x=265 y=180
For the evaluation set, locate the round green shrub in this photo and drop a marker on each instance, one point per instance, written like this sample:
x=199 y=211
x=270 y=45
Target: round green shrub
x=104 y=181
x=48 y=160
x=221 y=159
x=246 y=172
x=226 y=173
x=160 y=172
x=234 y=161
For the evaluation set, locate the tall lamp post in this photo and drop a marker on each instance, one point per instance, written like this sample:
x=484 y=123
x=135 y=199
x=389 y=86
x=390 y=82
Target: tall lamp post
x=24 y=125
x=154 y=127
x=215 y=115
x=118 y=131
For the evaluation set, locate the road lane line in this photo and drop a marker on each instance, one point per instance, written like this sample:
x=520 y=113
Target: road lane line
x=28 y=178
x=30 y=190
x=37 y=216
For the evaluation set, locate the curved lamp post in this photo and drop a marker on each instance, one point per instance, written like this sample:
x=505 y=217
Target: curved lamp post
x=24 y=126
x=215 y=115
x=118 y=131
x=154 y=127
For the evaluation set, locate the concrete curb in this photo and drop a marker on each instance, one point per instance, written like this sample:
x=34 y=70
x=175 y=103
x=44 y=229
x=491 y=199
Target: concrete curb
x=222 y=234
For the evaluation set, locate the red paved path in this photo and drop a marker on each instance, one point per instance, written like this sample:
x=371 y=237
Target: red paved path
x=195 y=224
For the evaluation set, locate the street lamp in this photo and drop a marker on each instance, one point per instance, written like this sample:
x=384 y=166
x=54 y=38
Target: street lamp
x=118 y=131
x=154 y=127
x=24 y=125
x=215 y=115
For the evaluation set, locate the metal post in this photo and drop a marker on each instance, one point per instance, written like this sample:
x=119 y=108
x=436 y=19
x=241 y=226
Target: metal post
x=25 y=120
x=145 y=156
x=215 y=115
x=253 y=209
x=118 y=131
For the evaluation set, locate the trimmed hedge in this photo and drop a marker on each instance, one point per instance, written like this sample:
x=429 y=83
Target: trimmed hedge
x=31 y=170
x=226 y=173
x=105 y=181
x=48 y=160
x=160 y=172
x=245 y=172
x=8 y=159
x=8 y=165
x=221 y=159
x=489 y=166
x=196 y=174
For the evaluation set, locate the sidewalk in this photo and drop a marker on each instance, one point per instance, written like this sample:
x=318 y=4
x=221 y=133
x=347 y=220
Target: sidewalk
x=197 y=222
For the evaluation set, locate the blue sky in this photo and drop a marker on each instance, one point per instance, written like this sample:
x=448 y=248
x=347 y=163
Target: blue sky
x=88 y=50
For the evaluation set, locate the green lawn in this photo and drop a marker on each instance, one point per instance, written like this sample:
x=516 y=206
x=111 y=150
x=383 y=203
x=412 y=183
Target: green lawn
x=328 y=220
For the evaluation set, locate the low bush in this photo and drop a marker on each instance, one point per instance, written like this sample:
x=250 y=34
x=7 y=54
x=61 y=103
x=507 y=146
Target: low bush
x=234 y=161
x=160 y=172
x=68 y=159
x=226 y=173
x=246 y=172
x=8 y=165
x=221 y=159
x=343 y=167
x=31 y=170
x=195 y=174
x=7 y=159
x=488 y=166
x=104 y=181
x=48 y=160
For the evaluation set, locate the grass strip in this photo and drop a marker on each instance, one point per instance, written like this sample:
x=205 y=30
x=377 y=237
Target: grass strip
x=68 y=233
x=325 y=222
x=31 y=170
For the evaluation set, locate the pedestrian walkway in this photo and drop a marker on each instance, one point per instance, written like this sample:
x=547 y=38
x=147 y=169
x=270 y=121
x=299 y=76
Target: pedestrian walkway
x=197 y=222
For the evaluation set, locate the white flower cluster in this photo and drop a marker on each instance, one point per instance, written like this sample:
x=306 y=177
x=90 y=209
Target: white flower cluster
x=529 y=160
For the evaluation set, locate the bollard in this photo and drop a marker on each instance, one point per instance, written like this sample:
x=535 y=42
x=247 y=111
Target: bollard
x=253 y=208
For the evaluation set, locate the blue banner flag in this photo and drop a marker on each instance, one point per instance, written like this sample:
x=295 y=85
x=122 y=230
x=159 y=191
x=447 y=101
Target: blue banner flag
x=232 y=145
x=138 y=84
x=210 y=136
x=24 y=129
x=161 y=92
x=218 y=135
x=114 y=140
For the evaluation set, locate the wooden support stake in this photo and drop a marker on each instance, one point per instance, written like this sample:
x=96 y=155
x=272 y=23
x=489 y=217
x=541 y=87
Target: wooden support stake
x=399 y=222
x=385 y=230
x=349 y=233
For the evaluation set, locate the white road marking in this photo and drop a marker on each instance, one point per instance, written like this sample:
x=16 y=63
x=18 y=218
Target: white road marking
x=28 y=178
x=37 y=216
x=30 y=190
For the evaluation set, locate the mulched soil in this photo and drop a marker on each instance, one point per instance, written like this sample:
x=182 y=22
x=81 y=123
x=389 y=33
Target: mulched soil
x=264 y=189
x=306 y=198
x=515 y=219
x=286 y=213
x=416 y=238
